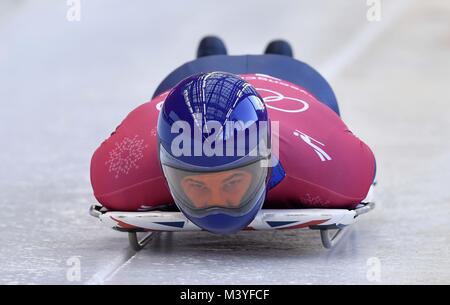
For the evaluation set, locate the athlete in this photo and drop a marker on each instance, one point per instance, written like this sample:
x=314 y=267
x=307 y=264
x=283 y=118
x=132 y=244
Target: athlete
x=225 y=136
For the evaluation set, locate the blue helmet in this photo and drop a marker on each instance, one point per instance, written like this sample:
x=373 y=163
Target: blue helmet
x=214 y=150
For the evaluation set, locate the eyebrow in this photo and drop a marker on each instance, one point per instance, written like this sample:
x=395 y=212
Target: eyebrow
x=232 y=177
x=195 y=181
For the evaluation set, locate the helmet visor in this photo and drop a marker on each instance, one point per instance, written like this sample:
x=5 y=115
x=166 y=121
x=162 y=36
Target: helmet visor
x=231 y=191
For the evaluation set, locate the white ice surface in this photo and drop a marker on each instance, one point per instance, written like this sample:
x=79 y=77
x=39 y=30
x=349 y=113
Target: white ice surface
x=64 y=86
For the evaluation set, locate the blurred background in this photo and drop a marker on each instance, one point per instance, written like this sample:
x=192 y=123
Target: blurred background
x=70 y=71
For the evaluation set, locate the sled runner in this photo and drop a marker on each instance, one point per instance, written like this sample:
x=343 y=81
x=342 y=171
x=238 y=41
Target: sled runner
x=151 y=223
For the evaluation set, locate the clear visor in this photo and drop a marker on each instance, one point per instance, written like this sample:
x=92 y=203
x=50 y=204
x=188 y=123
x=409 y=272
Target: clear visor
x=232 y=191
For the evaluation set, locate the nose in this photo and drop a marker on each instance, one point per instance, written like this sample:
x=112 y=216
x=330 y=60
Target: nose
x=216 y=198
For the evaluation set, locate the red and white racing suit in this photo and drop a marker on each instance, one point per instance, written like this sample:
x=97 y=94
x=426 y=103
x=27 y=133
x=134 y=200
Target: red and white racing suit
x=325 y=164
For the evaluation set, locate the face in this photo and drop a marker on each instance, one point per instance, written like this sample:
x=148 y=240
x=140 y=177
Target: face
x=223 y=189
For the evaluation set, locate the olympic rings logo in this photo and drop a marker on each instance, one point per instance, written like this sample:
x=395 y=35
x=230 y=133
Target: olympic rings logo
x=269 y=100
x=277 y=96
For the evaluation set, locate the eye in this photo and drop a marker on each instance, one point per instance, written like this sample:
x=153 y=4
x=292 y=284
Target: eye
x=197 y=186
x=231 y=185
x=194 y=185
